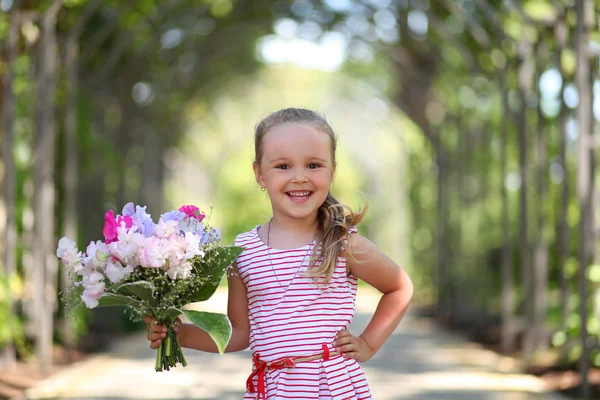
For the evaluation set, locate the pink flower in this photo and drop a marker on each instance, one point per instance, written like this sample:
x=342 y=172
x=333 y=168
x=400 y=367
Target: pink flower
x=110 y=227
x=125 y=218
x=192 y=212
x=111 y=224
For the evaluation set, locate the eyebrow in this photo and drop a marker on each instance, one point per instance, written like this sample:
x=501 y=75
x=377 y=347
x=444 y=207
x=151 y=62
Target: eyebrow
x=282 y=159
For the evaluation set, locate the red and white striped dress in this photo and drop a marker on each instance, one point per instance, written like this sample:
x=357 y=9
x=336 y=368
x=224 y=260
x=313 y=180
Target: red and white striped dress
x=296 y=321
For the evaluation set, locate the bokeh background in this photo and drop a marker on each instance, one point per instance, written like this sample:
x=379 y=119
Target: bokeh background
x=466 y=125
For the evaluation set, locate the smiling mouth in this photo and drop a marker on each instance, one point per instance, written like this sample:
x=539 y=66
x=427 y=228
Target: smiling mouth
x=299 y=196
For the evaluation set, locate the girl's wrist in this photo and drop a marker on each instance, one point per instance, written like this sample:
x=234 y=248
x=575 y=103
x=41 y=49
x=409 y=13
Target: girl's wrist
x=370 y=349
x=182 y=334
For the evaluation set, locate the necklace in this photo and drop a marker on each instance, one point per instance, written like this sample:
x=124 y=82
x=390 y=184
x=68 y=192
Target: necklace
x=271 y=263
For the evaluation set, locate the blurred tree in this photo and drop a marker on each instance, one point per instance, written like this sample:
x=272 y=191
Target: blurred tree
x=478 y=77
x=9 y=184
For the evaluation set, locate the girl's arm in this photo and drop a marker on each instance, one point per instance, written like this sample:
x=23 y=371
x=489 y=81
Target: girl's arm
x=379 y=271
x=192 y=337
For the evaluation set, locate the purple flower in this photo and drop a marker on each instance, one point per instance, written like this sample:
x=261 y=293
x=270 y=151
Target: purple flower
x=141 y=219
x=174 y=215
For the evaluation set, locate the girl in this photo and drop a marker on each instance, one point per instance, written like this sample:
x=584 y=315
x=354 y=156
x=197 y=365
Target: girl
x=292 y=290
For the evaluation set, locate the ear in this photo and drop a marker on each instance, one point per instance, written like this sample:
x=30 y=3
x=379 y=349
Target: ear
x=259 y=178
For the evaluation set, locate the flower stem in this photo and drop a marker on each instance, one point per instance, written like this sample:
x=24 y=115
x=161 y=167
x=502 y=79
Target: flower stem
x=168 y=340
x=181 y=356
x=159 y=359
x=169 y=353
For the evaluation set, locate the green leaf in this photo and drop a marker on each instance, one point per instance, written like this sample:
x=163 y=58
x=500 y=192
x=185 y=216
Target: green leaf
x=216 y=325
x=143 y=290
x=169 y=316
x=214 y=264
x=112 y=300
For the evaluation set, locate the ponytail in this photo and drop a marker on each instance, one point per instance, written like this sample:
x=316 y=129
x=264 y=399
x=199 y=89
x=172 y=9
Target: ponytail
x=334 y=221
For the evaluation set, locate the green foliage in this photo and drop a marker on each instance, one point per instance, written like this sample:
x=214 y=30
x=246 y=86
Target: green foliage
x=150 y=292
x=220 y=8
x=215 y=262
x=4 y=26
x=216 y=325
x=11 y=329
x=208 y=91
x=116 y=300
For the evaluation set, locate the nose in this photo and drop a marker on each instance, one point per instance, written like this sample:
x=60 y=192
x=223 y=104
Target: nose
x=300 y=176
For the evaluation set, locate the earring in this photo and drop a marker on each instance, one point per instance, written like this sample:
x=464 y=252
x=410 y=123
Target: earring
x=263 y=188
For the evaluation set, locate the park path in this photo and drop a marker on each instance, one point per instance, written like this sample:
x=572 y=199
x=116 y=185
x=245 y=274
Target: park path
x=420 y=361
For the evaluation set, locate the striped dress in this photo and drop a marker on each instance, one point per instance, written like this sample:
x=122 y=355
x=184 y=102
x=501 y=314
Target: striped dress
x=291 y=316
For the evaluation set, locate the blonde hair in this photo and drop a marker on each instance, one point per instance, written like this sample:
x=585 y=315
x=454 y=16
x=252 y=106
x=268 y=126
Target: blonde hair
x=334 y=219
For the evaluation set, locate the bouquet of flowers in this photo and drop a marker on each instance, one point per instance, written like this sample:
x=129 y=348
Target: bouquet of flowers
x=154 y=269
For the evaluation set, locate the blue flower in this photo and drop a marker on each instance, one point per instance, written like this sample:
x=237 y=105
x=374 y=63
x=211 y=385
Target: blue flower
x=174 y=215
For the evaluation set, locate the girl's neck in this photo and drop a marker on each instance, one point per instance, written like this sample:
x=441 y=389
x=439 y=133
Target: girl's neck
x=294 y=226
x=291 y=232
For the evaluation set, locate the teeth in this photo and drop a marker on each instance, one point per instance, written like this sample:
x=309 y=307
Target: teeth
x=299 y=194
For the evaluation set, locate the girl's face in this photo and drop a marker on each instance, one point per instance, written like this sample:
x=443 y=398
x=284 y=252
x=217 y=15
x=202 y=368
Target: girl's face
x=297 y=168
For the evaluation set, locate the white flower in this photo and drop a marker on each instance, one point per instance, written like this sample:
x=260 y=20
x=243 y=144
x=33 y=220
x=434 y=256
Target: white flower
x=192 y=247
x=69 y=255
x=127 y=251
x=182 y=271
x=124 y=234
x=94 y=284
x=71 y=258
x=174 y=249
x=65 y=245
x=90 y=301
x=121 y=251
x=85 y=271
x=151 y=254
x=101 y=257
x=165 y=229
x=116 y=272
x=97 y=254
x=190 y=225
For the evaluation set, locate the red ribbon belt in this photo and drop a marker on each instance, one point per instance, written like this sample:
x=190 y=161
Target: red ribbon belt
x=261 y=367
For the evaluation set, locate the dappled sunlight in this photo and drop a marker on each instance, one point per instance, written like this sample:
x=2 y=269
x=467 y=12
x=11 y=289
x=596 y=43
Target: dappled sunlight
x=469 y=127
x=451 y=385
x=418 y=362
x=207 y=376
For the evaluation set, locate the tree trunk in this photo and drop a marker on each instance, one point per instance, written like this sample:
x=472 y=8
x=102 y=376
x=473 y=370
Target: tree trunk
x=44 y=241
x=540 y=266
x=560 y=32
x=585 y=177
x=508 y=286
x=443 y=277
x=70 y=205
x=526 y=294
x=459 y=259
x=10 y=175
x=70 y=169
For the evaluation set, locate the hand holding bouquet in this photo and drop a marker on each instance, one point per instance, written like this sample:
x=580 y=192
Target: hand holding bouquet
x=154 y=269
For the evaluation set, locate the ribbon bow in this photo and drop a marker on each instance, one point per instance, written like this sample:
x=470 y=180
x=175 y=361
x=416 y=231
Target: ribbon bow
x=261 y=367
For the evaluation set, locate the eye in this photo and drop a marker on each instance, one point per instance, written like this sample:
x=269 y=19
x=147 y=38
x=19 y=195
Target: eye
x=314 y=166
x=282 y=166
